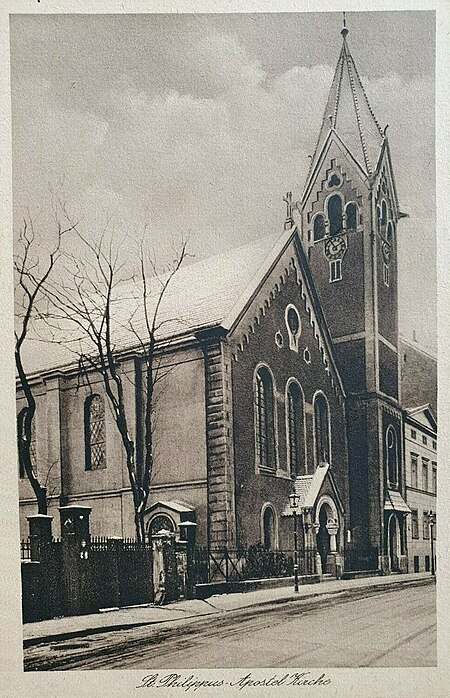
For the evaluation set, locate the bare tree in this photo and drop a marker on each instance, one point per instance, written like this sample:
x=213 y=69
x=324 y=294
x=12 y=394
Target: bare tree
x=31 y=274
x=110 y=306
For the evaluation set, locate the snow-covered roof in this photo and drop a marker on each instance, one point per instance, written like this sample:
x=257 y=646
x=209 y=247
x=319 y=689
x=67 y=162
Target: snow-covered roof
x=199 y=295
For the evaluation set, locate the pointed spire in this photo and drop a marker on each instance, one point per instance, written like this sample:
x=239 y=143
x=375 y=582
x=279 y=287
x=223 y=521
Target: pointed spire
x=348 y=113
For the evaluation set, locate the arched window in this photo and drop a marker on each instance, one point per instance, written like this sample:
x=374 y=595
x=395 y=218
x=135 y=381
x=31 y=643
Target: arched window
x=351 y=213
x=21 y=436
x=160 y=522
x=268 y=525
x=335 y=214
x=94 y=432
x=264 y=419
x=390 y=234
x=392 y=456
x=295 y=431
x=321 y=429
x=383 y=219
x=319 y=227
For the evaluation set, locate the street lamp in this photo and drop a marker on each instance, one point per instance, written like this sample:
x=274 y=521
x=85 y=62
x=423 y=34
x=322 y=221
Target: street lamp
x=432 y=522
x=294 y=500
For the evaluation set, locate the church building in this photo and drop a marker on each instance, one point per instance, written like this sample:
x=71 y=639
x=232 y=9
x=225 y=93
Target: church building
x=285 y=375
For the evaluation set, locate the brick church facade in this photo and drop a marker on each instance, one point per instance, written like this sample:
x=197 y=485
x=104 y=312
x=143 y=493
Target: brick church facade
x=285 y=373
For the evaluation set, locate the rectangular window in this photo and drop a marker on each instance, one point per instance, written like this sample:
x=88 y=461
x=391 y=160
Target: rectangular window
x=434 y=478
x=386 y=274
x=416 y=563
x=426 y=526
x=413 y=434
x=424 y=440
x=434 y=445
x=425 y=474
x=336 y=270
x=427 y=563
x=414 y=470
x=414 y=523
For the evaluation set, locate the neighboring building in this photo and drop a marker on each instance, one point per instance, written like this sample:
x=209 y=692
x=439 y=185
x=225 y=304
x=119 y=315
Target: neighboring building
x=284 y=373
x=418 y=375
x=421 y=483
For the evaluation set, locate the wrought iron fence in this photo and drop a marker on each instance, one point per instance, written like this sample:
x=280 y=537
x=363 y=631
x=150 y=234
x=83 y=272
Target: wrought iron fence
x=107 y=573
x=25 y=549
x=227 y=565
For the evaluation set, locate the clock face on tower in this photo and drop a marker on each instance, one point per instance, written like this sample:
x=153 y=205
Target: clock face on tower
x=335 y=247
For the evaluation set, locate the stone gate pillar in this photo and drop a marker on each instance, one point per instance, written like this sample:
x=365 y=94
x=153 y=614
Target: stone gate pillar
x=40 y=526
x=75 y=542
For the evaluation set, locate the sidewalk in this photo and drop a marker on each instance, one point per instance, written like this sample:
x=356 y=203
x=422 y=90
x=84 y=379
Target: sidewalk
x=77 y=626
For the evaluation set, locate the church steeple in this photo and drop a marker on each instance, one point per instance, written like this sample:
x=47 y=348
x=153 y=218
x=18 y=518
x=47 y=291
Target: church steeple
x=349 y=115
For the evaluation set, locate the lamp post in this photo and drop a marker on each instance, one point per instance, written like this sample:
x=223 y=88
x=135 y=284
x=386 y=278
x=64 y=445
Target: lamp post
x=294 y=502
x=431 y=522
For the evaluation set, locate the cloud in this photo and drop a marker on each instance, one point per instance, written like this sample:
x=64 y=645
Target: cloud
x=191 y=134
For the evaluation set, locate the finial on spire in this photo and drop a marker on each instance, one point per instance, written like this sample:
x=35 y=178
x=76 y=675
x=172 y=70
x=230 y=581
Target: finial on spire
x=344 y=30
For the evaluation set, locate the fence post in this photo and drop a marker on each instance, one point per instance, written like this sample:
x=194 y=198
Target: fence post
x=40 y=526
x=75 y=542
x=114 y=546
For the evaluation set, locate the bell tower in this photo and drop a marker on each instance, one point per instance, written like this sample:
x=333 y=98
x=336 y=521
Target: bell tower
x=350 y=213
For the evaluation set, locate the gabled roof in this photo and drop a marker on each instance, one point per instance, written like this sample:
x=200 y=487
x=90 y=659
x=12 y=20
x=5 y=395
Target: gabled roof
x=349 y=115
x=213 y=292
x=308 y=487
x=421 y=413
x=200 y=295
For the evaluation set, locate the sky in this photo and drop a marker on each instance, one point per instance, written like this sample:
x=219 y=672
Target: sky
x=197 y=125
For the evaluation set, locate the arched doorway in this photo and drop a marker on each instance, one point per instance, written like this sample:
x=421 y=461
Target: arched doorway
x=323 y=537
x=269 y=531
x=328 y=535
x=394 y=542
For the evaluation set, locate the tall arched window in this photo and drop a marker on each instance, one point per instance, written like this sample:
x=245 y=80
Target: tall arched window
x=321 y=429
x=319 y=227
x=295 y=431
x=383 y=219
x=351 y=214
x=392 y=456
x=264 y=419
x=21 y=436
x=335 y=214
x=94 y=432
x=390 y=234
x=269 y=531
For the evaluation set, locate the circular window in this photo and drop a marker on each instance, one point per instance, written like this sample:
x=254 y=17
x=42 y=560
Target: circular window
x=278 y=339
x=293 y=321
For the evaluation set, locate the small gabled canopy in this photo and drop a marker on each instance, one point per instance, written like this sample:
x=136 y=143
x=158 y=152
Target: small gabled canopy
x=395 y=502
x=172 y=506
x=421 y=415
x=348 y=114
x=308 y=489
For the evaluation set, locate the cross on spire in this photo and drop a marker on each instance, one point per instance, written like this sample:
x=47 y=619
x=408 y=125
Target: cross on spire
x=344 y=30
